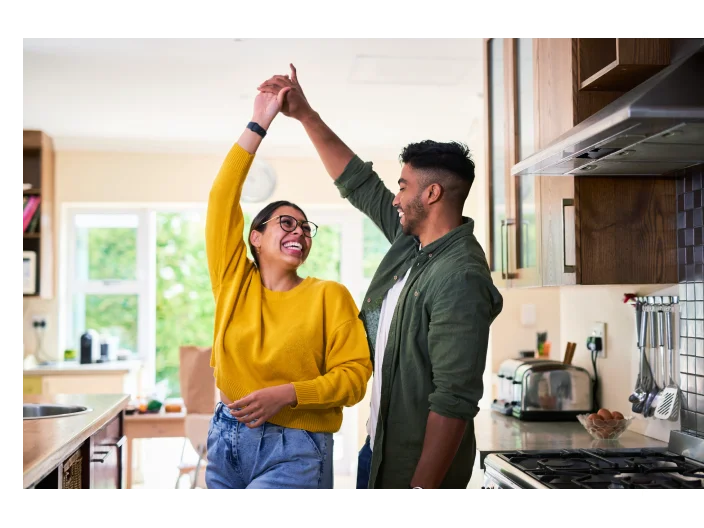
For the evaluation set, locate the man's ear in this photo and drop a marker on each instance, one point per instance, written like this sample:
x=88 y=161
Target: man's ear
x=434 y=192
x=255 y=238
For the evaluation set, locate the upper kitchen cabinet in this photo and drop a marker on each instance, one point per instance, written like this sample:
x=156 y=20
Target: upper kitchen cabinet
x=512 y=205
x=603 y=160
x=619 y=64
x=38 y=234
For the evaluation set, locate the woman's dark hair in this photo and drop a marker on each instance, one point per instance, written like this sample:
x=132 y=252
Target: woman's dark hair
x=264 y=215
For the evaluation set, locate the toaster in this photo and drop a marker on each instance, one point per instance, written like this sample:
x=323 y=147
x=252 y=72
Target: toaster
x=536 y=389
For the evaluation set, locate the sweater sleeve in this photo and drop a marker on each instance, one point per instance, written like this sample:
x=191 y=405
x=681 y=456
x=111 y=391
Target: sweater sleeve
x=224 y=225
x=348 y=369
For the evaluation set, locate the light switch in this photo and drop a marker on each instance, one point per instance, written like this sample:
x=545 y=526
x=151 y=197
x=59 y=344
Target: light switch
x=528 y=315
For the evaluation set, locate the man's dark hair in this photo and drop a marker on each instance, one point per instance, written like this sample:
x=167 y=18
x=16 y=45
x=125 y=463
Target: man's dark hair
x=264 y=215
x=449 y=164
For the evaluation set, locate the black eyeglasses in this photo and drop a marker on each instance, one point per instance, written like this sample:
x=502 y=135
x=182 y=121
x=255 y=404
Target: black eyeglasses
x=289 y=224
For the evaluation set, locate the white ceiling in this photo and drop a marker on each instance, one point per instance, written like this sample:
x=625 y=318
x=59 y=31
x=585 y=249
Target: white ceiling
x=196 y=94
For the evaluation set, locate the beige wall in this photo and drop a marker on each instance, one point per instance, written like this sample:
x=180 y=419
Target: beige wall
x=509 y=336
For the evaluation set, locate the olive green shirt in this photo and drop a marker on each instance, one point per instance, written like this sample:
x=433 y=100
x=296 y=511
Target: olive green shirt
x=436 y=351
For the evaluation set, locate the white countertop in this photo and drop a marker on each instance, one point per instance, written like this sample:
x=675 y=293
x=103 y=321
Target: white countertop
x=496 y=433
x=75 y=368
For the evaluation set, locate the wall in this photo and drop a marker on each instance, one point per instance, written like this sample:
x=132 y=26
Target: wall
x=690 y=259
x=580 y=307
x=509 y=336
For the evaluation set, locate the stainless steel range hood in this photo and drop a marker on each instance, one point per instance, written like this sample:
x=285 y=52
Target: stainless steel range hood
x=656 y=128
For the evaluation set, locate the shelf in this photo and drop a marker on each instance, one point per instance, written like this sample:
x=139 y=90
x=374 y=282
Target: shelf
x=620 y=64
x=38 y=172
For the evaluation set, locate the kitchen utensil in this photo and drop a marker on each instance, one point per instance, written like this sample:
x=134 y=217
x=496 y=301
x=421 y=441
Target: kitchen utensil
x=569 y=352
x=654 y=388
x=637 y=398
x=646 y=374
x=669 y=399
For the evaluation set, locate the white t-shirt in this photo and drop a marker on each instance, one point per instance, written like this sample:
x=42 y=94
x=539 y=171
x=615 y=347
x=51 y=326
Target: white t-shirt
x=382 y=336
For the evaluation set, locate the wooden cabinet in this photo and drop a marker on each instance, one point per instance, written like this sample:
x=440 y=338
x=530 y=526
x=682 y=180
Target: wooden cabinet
x=512 y=203
x=99 y=462
x=38 y=179
x=119 y=382
x=107 y=456
x=561 y=230
x=596 y=230
x=619 y=64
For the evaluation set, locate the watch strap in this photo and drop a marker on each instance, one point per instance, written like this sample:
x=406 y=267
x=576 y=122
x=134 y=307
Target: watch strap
x=254 y=127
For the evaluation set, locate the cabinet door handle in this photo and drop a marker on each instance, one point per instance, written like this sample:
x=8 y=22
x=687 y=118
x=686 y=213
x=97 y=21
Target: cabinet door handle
x=569 y=259
x=506 y=271
x=503 y=268
x=119 y=443
x=100 y=456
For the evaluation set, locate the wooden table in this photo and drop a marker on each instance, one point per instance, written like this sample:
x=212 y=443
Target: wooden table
x=152 y=425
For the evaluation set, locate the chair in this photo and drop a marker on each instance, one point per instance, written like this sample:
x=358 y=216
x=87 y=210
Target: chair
x=199 y=395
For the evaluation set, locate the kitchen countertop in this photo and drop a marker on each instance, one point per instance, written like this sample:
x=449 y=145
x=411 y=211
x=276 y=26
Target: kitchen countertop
x=496 y=433
x=48 y=441
x=75 y=368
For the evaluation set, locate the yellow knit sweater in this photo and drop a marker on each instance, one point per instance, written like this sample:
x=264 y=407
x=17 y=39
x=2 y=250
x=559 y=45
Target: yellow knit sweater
x=309 y=336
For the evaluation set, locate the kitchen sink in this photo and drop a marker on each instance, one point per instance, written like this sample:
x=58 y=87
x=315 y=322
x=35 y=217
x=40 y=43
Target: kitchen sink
x=35 y=411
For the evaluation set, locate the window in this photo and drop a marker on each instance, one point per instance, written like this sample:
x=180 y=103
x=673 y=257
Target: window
x=141 y=275
x=108 y=280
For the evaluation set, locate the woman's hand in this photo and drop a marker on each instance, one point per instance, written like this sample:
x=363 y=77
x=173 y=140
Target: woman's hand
x=266 y=106
x=257 y=407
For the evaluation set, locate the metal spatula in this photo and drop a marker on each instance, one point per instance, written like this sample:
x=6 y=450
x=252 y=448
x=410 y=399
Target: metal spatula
x=669 y=399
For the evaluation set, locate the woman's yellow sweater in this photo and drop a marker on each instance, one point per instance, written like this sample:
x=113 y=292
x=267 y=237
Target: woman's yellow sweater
x=309 y=336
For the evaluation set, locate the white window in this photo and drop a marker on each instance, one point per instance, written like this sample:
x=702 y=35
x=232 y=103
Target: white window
x=140 y=275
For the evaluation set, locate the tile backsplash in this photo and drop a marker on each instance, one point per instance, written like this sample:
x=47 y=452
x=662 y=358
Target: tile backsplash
x=690 y=261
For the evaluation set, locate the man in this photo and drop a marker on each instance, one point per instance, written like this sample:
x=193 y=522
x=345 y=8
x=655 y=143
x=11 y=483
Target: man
x=427 y=311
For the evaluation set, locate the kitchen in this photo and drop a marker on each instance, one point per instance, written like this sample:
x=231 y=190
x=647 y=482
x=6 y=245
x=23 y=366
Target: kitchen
x=558 y=245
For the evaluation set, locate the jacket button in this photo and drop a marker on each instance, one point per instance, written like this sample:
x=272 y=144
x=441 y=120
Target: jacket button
x=430 y=254
x=369 y=300
x=395 y=277
x=416 y=293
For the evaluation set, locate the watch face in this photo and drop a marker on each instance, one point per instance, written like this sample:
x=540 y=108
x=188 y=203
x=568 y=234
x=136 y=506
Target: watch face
x=260 y=182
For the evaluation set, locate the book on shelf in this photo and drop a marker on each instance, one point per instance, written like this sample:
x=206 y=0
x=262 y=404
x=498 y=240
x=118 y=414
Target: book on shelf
x=31 y=213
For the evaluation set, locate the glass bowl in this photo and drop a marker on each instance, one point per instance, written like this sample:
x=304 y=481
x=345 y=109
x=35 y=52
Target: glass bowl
x=605 y=429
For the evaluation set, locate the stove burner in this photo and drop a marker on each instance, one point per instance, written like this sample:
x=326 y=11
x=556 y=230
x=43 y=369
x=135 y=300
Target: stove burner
x=656 y=480
x=572 y=480
x=548 y=464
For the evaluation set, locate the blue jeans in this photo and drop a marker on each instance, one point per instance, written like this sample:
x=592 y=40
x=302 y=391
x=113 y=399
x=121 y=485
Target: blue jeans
x=267 y=457
x=364 y=465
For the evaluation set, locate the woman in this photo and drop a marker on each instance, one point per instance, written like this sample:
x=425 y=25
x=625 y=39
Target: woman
x=288 y=352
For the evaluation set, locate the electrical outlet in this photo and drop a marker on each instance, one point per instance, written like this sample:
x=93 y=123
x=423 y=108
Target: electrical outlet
x=599 y=330
x=39 y=320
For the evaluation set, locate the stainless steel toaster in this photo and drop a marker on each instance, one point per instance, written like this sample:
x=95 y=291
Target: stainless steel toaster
x=543 y=390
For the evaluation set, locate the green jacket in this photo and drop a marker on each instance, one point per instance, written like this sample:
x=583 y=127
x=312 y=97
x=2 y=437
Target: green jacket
x=436 y=350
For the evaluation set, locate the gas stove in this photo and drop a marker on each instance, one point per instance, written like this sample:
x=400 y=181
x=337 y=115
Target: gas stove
x=594 y=469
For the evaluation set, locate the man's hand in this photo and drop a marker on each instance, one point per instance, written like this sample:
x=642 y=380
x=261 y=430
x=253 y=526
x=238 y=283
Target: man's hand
x=295 y=104
x=257 y=407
